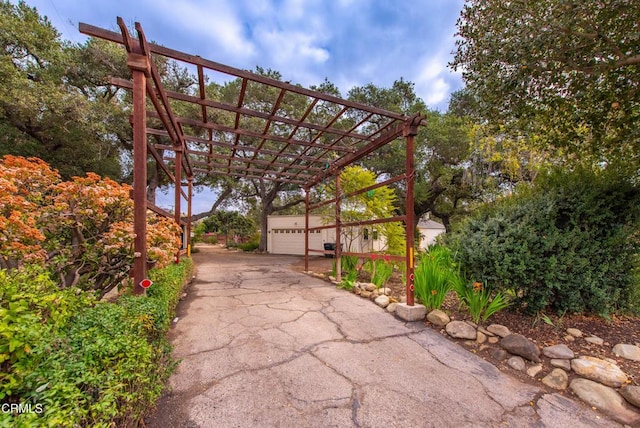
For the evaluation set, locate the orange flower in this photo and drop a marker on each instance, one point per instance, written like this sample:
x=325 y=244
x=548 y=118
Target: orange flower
x=434 y=292
x=477 y=286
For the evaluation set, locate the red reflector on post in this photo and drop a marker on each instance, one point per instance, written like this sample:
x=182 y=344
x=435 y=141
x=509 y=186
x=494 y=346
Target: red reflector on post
x=146 y=283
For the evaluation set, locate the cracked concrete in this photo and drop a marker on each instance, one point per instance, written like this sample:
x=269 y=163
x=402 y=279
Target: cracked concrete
x=261 y=345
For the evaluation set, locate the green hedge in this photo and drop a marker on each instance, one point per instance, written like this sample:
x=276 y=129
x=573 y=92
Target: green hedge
x=82 y=363
x=569 y=244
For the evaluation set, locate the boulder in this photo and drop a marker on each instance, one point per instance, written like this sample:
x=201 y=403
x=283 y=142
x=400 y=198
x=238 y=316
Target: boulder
x=606 y=399
x=461 y=330
x=370 y=287
x=499 y=330
x=595 y=340
x=366 y=294
x=481 y=337
x=631 y=393
x=599 y=370
x=557 y=379
x=533 y=371
x=392 y=307
x=517 y=344
x=485 y=331
x=563 y=364
x=517 y=363
x=498 y=354
x=438 y=317
x=561 y=351
x=629 y=352
x=574 y=332
x=382 y=301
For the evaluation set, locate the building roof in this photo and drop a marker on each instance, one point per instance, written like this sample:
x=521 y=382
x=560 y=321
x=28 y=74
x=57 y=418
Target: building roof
x=430 y=224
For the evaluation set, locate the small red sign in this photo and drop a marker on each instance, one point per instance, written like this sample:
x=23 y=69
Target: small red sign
x=146 y=283
x=411 y=287
x=411 y=277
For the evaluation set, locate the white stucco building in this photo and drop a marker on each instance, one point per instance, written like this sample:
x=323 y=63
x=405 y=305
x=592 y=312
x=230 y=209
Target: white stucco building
x=285 y=235
x=429 y=230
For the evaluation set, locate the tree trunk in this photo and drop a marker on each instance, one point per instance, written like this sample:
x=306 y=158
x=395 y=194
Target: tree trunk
x=222 y=196
x=154 y=180
x=266 y=198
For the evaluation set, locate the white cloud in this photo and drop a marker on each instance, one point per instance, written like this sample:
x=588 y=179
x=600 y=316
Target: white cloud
x=430 y=81
x=290 y=47
x=215 y=20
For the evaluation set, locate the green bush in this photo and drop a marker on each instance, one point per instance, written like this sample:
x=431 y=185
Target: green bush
x=99 y=364
x=198 y=231
x=210 y=239
x=249 y=246
x=570 y=243
x=349 y=280
x=32 y=308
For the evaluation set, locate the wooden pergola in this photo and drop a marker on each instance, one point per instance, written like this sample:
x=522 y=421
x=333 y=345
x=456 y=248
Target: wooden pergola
x=245 y=141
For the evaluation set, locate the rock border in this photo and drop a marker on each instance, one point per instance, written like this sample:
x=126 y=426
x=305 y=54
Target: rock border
x=600 y=382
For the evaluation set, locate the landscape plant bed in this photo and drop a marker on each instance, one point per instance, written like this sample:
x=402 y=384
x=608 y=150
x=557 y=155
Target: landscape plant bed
x=543 y=330
x=619 y=329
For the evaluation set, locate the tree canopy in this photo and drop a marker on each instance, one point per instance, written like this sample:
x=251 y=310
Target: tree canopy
x=376 y=204
x=54 y=100
x=566 y=71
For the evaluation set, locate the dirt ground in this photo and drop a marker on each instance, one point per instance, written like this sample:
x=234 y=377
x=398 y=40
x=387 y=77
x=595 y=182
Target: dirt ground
x=618 y=329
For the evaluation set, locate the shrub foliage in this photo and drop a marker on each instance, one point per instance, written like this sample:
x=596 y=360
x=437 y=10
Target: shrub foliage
x=570 y=243
x=85 y=363
x=82 y=229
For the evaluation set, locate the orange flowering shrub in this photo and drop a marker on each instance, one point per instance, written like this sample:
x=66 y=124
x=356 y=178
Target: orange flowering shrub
x=162 y=233
x=24 y=184
x=80 y=213
x=82 y=229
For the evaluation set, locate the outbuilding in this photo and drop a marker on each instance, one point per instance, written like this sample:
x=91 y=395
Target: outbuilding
x=285 y=235
x=429 y=230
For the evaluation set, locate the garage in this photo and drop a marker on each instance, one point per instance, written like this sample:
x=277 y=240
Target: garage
x=286 y=234
x=291 y=241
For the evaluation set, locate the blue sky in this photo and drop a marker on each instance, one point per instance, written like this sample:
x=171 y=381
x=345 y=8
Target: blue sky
x=349 y=42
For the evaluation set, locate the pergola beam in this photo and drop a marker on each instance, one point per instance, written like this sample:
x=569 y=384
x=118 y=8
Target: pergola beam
x=231 y=146
x=258 y=135
x=127 y=84
x=212 y=65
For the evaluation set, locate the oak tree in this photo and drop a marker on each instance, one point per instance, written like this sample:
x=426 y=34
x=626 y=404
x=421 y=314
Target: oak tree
x=566 y=71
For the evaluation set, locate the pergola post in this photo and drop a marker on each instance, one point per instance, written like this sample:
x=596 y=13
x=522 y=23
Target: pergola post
x=189 y=202
x=409 y=132
x=178 y=188
x=306 y=230
x=338 y=230
x=139 y=66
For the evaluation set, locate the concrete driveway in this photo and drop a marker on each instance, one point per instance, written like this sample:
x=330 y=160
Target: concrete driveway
x=263 y=346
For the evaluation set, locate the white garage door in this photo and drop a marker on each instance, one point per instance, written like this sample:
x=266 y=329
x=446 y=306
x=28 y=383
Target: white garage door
x=291 y=241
